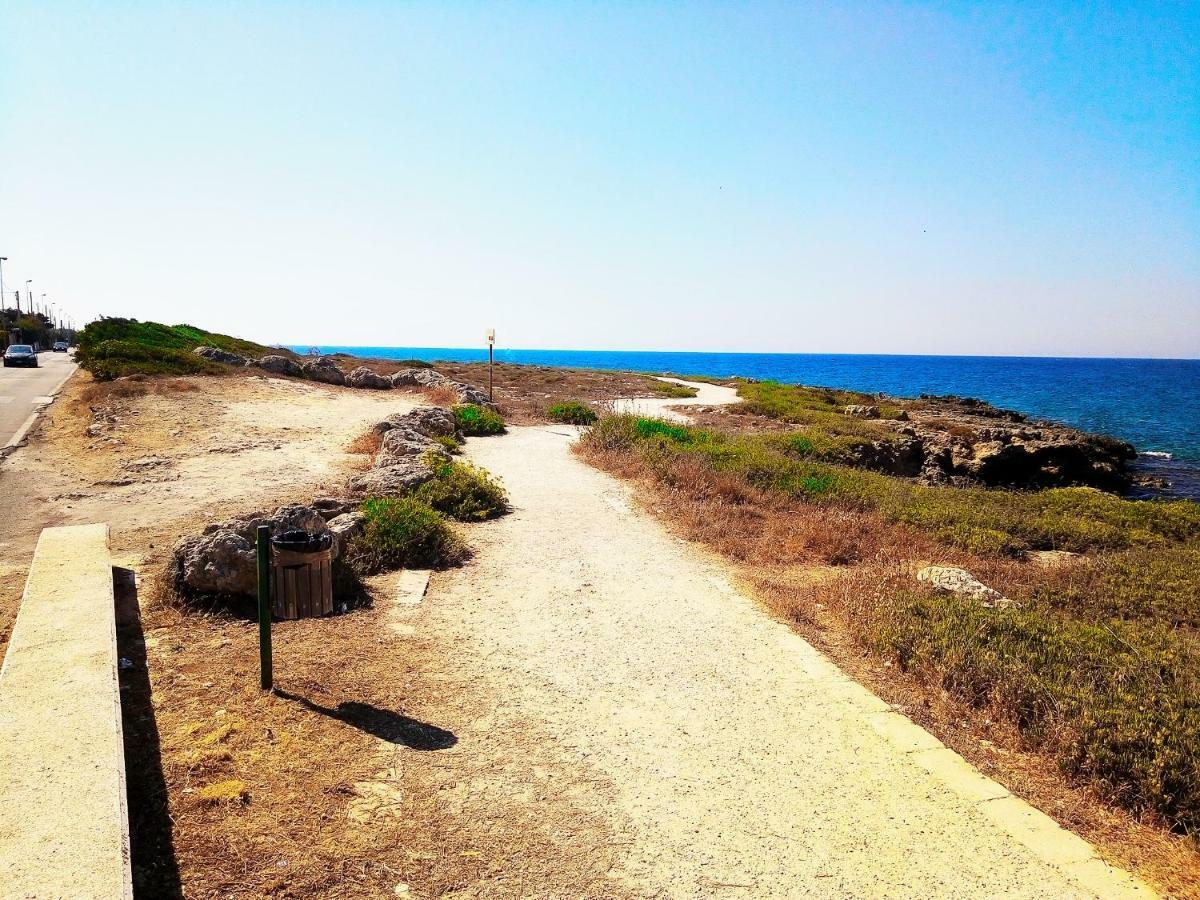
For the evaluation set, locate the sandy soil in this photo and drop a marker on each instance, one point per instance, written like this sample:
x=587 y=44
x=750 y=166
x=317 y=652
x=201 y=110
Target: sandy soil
x=734 y=760
x=168 y=455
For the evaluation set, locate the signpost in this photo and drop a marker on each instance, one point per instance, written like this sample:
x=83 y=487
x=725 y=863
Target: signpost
x=491 y=339
x=264 y=607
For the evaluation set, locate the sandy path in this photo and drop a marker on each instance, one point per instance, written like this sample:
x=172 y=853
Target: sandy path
x=663 y=407
x=728 y=756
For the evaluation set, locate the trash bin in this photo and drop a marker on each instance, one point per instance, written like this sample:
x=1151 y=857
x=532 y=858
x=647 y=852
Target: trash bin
x=301 y=575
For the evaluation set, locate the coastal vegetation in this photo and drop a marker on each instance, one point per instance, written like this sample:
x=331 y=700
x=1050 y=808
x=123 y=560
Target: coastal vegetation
x=821 y=407
x=976 y=519
x=474 y=420
x=114 y=347
x=403 y=532
x=670 y=389
x=1096 y=663
x=571 y=412
x=463 y=491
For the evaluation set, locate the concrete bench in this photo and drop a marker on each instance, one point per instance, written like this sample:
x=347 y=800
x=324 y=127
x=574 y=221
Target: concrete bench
x=64 y=826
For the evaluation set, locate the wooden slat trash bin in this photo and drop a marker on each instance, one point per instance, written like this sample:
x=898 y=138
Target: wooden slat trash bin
x=301 y=575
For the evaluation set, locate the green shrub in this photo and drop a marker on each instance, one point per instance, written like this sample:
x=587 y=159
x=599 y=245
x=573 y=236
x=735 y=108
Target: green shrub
x=670 y=389
x=463 y=491
x=107 y=360
x=477 y=420
x=820 y=407
x=1119 y=703
x=646 y=428
x=572 y=413
x=403 y=532
x=449 y=441
x=113 y=347
x=1161 y=584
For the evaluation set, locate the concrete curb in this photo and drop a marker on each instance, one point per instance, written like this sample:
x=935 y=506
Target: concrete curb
x=64 y=822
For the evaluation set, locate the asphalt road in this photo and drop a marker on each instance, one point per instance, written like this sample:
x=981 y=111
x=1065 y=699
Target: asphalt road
x=22 y=391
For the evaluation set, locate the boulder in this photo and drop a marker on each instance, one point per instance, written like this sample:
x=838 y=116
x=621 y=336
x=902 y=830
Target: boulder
x=392 y=480
x=281 y=365
x=400 y=444
x=217 y=562
x=323 y=370
x=431 y=421
x=362 y=377
x=861 y=411
x=222 y=356
x=951 y=580
x=407 y=377
x=468 y=394
x=344 y=529
x=222 y=560
x=430 y=378
x=332 y=507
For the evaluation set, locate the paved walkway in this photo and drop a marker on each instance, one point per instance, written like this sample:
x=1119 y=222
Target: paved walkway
x=735 y=760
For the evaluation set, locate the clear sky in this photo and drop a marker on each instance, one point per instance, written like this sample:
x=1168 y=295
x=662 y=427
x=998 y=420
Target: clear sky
x=953 y=178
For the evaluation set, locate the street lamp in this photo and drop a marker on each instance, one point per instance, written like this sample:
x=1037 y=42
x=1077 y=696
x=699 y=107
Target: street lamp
x=29 y=294
x=3 y=260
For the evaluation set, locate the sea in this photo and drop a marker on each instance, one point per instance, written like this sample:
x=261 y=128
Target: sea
x=1153 y=404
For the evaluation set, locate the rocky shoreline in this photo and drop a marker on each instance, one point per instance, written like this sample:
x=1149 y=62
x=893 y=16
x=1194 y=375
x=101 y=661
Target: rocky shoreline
x=961 y=439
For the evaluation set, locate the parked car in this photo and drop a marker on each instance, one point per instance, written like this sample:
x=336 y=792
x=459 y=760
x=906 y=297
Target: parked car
x=61 y=347
x=20 y=355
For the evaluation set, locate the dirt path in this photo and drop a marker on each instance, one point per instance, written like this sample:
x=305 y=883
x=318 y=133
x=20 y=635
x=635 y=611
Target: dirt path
x=726 y=755
x=663 y=407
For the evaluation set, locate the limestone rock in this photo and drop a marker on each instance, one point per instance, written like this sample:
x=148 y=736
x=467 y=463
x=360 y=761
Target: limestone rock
x=362 y=377
x=344 y=529
x=324 y=370
x=406 y=377
x=431 y=421
x=951 y=580
x=281 y=365
x=222 y=356
x=392 y=480
x=332 y=507
x=861 y=411
x=217 y=562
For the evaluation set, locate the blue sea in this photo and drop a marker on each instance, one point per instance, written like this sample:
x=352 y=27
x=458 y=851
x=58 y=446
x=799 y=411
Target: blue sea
x=1153 y=404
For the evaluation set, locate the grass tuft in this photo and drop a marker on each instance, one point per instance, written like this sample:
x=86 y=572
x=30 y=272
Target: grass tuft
x=464 y=492
x=572 y=412
x=475 y=421
x=403 y=532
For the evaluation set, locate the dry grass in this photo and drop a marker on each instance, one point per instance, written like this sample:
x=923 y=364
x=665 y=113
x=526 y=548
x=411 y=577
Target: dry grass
x=442 y=395
x=345 y=782
x=99 y=392
x=367 y=443
x=834 y=574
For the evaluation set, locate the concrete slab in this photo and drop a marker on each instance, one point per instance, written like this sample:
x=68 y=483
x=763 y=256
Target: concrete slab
x=64 y=826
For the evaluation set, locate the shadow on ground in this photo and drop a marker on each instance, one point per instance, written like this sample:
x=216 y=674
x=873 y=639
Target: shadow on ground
x=384 y=724
x=152 y=853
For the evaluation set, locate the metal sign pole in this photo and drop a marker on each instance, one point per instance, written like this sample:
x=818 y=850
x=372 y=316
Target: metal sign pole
x=491 y=339
x=264 y=606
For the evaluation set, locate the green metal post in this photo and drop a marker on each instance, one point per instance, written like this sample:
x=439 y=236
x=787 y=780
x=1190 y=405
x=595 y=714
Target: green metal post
x=264 y=606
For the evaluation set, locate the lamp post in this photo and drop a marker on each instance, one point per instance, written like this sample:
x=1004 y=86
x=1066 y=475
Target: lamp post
x=29 y=294
x=491 y=339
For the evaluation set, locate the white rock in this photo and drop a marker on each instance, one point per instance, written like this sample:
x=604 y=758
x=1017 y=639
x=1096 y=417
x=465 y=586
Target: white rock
x=952 y=580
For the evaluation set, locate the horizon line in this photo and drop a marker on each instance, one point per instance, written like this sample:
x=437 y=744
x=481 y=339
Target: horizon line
x=292 y=346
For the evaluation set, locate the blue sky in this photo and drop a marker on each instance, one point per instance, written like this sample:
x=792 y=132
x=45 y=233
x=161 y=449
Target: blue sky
x=924 y=178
